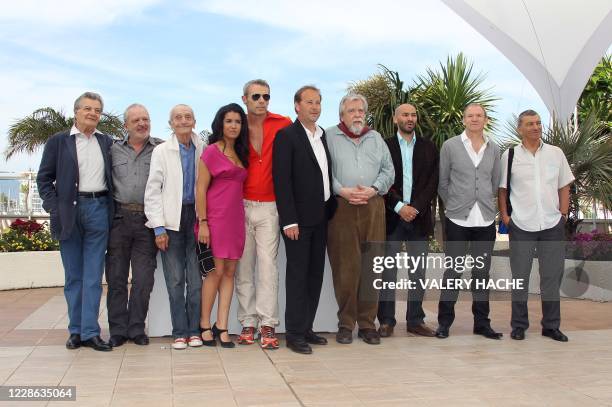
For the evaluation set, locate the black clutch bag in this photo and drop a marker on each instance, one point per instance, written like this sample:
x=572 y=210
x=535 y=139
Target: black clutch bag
x=206 y=263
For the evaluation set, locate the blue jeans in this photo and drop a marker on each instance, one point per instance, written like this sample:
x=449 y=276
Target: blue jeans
x=181 y=268
x=83 y=259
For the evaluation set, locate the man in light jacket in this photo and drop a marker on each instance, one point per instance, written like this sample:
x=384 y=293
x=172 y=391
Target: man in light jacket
x=469 y=177
x=170 y=209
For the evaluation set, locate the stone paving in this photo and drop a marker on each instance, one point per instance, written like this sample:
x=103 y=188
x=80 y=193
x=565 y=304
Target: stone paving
x=404 y=370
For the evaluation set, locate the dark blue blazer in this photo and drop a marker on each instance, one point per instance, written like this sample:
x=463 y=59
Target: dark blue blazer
x=58 y=180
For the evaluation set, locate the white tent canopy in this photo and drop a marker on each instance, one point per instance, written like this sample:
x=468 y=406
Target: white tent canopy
x=556 y=44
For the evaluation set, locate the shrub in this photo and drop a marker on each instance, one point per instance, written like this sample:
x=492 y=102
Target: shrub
x=590 y=246
x=27 y=235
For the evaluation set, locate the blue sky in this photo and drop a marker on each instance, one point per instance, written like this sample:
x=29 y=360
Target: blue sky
x=160 y=53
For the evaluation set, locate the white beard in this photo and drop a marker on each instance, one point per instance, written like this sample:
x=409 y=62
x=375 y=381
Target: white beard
x=356 y=128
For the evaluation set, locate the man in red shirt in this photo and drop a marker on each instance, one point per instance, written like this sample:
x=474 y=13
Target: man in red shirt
x=258 y=292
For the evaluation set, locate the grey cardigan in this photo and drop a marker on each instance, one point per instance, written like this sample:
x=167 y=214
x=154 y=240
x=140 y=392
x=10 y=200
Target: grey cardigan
x=461 y=184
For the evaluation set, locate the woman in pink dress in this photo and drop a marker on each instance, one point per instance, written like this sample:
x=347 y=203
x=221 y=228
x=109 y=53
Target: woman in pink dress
x=220 y=210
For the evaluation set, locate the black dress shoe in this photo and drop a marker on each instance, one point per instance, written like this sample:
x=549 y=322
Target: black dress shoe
x=73 y=342
x=299 y=346
x=344 y=336
x=518 y=334
x=96 y=343
x=315 y=339
x=117 y=340
x=555 y=334
x=385 y=330
x=369 y=336
x=141 y=339
x=487 y=332
x=442 y=332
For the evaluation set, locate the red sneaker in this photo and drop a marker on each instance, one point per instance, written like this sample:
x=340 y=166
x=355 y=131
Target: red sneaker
x=247 y=336
x=267 y=338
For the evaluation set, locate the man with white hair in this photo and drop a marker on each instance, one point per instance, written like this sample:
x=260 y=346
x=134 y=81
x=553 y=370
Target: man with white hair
x=170 y=209
x=362 y=172
x=130 y=242
x=74 y=182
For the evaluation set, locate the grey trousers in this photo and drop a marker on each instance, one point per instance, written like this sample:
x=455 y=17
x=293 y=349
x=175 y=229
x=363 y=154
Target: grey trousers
x=549 y=245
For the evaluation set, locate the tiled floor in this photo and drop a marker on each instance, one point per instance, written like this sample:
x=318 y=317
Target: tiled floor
x=461 y=370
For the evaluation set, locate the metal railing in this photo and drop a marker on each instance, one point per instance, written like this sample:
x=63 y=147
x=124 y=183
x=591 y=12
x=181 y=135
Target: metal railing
x=19 y=198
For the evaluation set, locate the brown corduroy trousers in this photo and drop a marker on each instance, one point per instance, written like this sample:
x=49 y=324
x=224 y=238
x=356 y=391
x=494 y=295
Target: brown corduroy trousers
x=355 y=235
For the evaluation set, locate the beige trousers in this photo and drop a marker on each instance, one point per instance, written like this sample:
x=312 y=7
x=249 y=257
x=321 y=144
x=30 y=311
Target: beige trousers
x=257 y=291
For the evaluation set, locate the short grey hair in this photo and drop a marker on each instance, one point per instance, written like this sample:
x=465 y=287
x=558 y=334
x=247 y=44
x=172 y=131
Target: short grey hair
x=180 y=105
x=527 y=112
x=260 y=82
x=88 y=95
x=349 y=97
x=130 y=107
x=475 y=105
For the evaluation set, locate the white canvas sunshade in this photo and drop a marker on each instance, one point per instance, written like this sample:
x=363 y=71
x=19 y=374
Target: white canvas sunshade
x=556 y=44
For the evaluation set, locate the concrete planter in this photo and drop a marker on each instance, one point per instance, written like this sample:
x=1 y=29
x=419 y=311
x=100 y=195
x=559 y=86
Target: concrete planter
x=590 y=280
x=30 y=270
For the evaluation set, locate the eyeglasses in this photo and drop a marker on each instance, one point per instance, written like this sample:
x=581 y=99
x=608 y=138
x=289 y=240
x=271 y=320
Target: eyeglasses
x=256 y=96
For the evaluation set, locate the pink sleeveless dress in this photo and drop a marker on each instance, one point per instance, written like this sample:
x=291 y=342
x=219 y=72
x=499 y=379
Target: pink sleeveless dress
x=224 y=205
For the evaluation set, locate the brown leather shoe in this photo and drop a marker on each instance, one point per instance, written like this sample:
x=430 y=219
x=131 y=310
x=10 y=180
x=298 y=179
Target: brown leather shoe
x=369 y=336
x=344 y=336
x=421 y=330
x=385 y=330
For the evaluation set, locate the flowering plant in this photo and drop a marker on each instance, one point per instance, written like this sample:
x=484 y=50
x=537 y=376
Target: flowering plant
x=27 y=235
x=591 y=246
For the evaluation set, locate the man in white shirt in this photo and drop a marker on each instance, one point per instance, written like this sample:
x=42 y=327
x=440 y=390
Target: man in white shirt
x=301 y=171
x=540 y=180
x=469 y=177
x=74 y=182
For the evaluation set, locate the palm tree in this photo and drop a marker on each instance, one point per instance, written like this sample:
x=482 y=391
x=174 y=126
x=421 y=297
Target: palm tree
x=441 y=95
x=596 y=98
x=589 y=153
x=33 y=131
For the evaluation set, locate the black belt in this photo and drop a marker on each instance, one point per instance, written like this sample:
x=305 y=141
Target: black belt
x=93 y=194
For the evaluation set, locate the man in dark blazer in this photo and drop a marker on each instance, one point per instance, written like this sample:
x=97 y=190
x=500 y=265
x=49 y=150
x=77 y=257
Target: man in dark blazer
x=74 y=182
x=302 y=183
x=408 y=216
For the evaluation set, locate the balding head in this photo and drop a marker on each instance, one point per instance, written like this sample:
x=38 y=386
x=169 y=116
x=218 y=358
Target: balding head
x=405 y=118
x=182 y=120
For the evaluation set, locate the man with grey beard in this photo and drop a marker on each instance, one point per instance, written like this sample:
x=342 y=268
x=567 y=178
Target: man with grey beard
x=362 y=172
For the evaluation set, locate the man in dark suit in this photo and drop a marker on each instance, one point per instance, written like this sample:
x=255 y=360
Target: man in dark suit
x=408 y=216
x=302 y=183
x=74 y=182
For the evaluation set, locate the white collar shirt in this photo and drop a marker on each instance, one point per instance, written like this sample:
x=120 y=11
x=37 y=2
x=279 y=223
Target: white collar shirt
x=475 y=218
x=90 y=162
x=319 y=151
x=534 y=185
